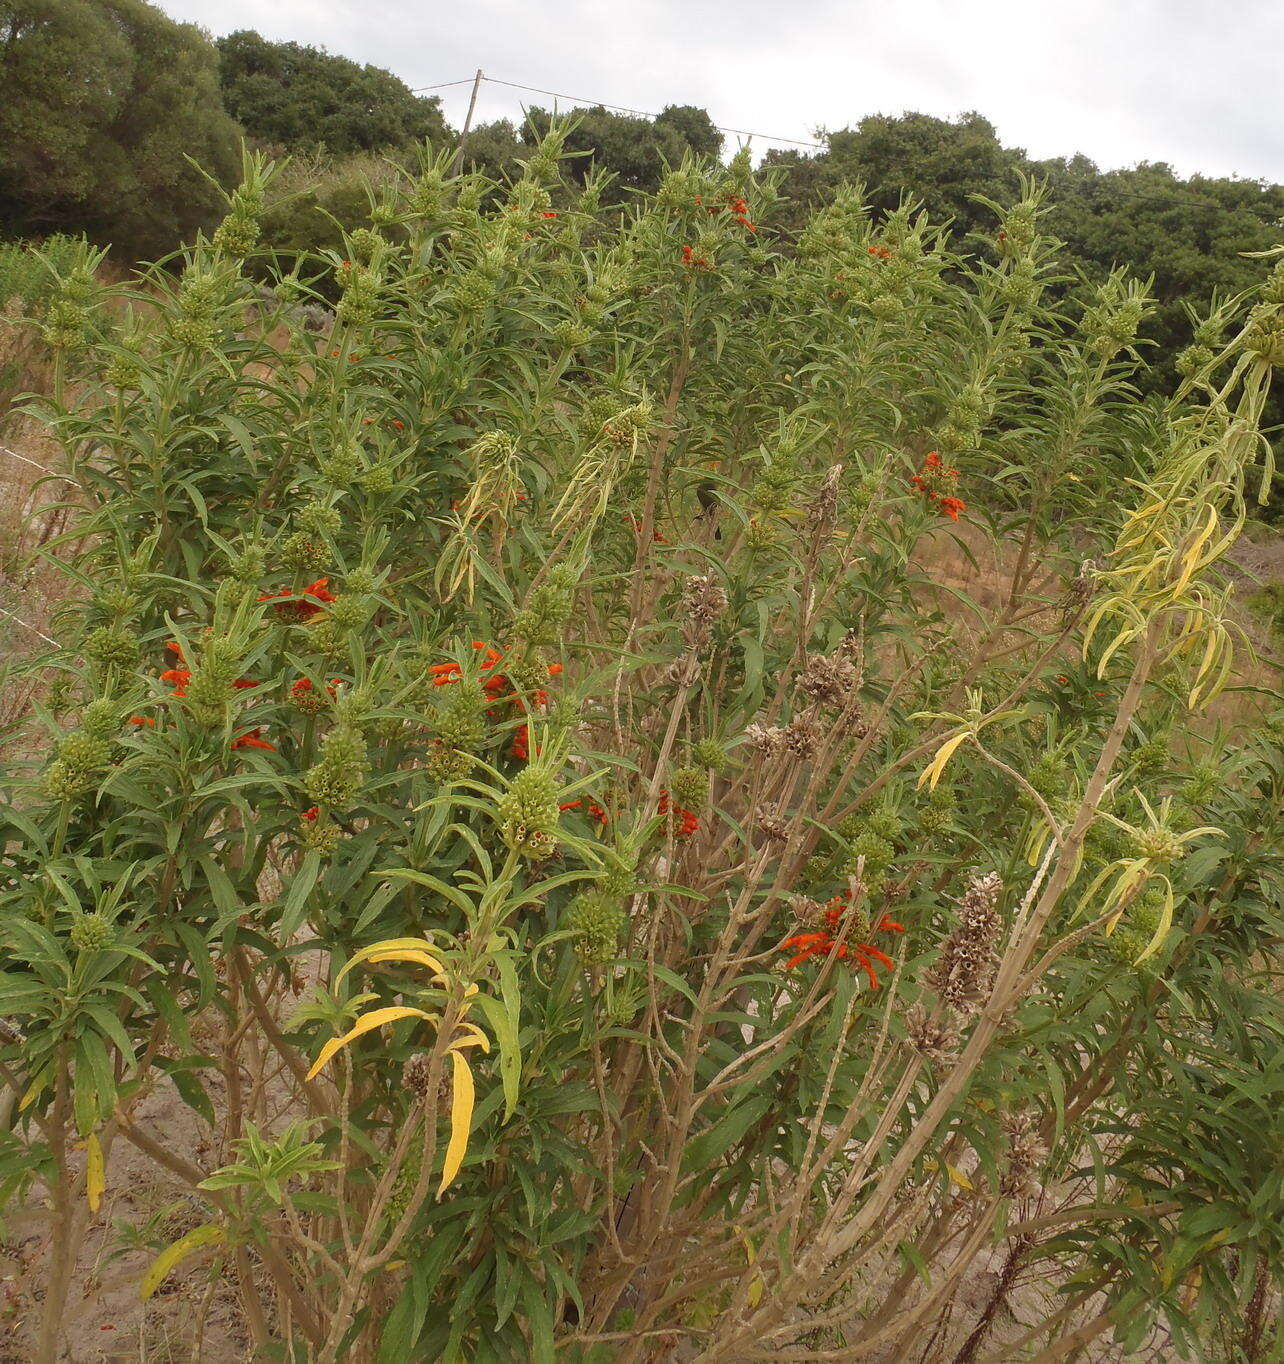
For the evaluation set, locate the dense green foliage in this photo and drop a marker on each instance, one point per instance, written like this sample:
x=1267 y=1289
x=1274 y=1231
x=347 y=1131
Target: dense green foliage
x=292 y=96
x=522 y=769
x=101 y=102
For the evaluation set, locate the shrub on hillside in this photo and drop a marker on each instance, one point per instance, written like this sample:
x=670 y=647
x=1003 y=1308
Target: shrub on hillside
x=520 y=770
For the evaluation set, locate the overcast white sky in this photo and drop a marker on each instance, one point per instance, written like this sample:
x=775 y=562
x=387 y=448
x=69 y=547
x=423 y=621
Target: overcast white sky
x=1197 y=83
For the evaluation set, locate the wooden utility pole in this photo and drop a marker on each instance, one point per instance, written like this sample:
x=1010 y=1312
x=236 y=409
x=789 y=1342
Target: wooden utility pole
x=468 y=123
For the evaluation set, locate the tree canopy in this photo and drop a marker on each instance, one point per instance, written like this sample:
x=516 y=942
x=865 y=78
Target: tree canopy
x=104 y=102
x=296 y=96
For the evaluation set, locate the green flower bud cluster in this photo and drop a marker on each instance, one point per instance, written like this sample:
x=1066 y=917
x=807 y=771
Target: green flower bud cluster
x=338 y=778
x=1111 y=324
x=82 y=755
x=603 y=416
x=124 y=368
x=238 y=233
x=570 y=334
x=1152 y=757
x=320 y=835
x=303 y=553
x=1050 y=775
x=529 y=195
x=318 y=519
x=101 y=718
x=111 y=647
x=938 y=814
x=689 y=788
x=1020 y=287
x=459 y=730
x=1020 y=228
x=196 y=307
x=548 y=607
x=709 y=754
x=249 y=564
x=341 y=466
x=1193 y=360
x=474 y=291
x=1264 y=333
x=1136 y=930
x=351 y=611
x=91 y=932
x=114 y=601
x=1203 y=783
x=326 y=638
x=1273 y=288
x=1105 y=841
x=595 y=919
x=427 y=197
x=887 y=307
x=209 y=689
x=1159 y=845
x=377 y=479
x=362 y=581
x=66 y=323
x=364 y=245
x=528 y=814
x=360 y=298
x=680 y=189
x=877 y=852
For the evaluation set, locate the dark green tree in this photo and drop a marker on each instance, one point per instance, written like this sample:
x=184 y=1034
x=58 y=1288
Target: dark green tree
x=634 y=149
x=694 y=126
x=294 y=96
x=103 y=101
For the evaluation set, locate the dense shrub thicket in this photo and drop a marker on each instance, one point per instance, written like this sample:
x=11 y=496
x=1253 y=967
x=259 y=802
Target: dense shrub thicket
x=528 y=745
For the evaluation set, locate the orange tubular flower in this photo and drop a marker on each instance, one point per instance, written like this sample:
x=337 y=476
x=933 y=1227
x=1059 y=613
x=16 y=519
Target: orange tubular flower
x=821 y=942
x=297 y=603
x=252 y=740
x=682 y=822
x=310 y=814
x=147 y=720
x=951 y=506
x=180 y=677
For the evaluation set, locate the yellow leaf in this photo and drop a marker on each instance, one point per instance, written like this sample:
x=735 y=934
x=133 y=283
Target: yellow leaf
x=395 y=949
x=958 y=1177
x=169 y=1258
x=376 y=1018
x=932 y=772
x=473 y=1037
x=95 y=1178
x=461 y=1119
x=33 y=1091
x=1191 y=561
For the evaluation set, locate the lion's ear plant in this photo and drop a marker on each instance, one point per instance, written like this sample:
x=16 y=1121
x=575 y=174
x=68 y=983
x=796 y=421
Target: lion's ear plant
x=658 y=790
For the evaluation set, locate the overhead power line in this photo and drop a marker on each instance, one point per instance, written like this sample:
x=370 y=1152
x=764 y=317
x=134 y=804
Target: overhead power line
x=618 y=108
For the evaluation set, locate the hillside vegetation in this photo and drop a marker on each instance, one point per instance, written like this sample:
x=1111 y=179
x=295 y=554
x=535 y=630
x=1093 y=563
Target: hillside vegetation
x=514 y=773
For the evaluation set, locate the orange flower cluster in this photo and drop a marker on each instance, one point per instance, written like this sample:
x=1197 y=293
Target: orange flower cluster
x=821 y=942
x=497 y=688
x=933 y=479
x=682 y=823
x=594 y=810
x=881 y=252
x=297 y=604
x=695 y=262
x=738 y=209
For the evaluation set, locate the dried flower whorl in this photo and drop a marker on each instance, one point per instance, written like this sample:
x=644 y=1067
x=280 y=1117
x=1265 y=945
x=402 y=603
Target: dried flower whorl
x=965 y=970
x=937 y=1039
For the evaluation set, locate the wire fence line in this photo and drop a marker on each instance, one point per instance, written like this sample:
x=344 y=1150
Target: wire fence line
x=606 y=104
